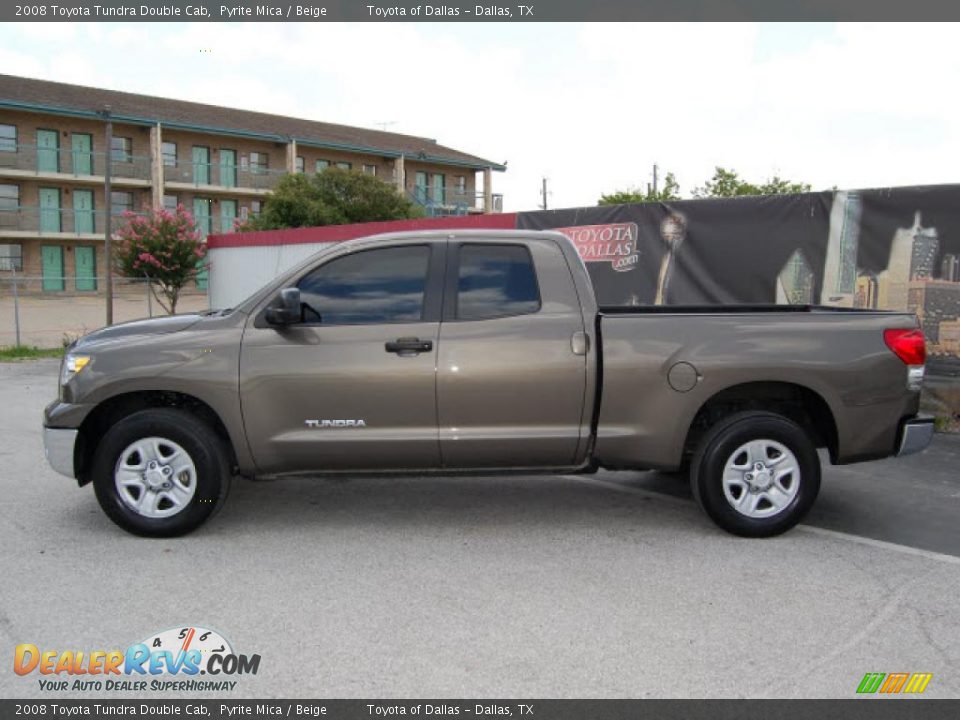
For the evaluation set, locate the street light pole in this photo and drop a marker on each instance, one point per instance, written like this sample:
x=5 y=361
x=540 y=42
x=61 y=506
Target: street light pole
x=108 y=209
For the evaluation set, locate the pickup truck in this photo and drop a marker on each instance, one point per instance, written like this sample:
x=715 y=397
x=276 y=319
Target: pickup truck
x=479 y=352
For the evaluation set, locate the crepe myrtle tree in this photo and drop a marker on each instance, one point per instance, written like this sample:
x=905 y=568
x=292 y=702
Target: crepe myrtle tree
x=164 y=247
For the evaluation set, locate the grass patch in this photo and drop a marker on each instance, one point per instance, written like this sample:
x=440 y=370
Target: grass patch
x=28 y=352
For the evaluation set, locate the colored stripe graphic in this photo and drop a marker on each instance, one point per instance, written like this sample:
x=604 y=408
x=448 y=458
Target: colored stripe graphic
x=918 y=682
x=893 y=683
x=871 y=682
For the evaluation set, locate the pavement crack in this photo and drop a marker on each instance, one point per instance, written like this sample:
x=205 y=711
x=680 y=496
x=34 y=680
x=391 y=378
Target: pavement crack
x=890 y=607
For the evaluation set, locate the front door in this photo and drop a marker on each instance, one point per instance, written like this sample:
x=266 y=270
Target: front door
x=353 y=385
x=203 y=220
x=82 y=153
x=51 y=259
x=228 y=215
x=201 y=165
x=83 y=211
x=48 y=151
x=49 y=210
x=511 y=371
x=439 y=194
x=85 y=259
x=420 y=188
x=228 y=167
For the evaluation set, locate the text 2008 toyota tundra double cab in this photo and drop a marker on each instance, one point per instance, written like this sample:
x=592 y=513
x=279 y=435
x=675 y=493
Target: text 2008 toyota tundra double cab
x=479 y=352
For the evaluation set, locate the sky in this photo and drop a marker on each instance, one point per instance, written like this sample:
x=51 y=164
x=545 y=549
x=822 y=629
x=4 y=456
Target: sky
x=589 y=106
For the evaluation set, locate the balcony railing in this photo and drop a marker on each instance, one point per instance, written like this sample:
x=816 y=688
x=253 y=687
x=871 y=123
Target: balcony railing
x=222 y=175
x=50 y=221
x=67 y=161
x=452 y=201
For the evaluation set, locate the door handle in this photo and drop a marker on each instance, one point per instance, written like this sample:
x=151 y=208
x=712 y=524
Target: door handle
x=408 y=346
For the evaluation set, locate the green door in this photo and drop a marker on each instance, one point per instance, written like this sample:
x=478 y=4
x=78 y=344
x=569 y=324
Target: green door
x=201 y=216
x=420 y=187
x=81 y=147
x=49 y=210
x=48 y=151
x=201 y=165
x=439 y=195
x=228 y=168
x=83 y=211
x=85 y=258
x=51 y=257
x=228 y=214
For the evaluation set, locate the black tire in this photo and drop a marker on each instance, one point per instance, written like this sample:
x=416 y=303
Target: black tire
x=206 y=451
x=717 y=448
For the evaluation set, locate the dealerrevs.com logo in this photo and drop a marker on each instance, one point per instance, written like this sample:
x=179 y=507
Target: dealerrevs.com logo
x=171 y=660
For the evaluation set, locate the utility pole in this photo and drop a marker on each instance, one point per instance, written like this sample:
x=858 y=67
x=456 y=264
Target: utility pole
x=655 y=178
x=543 y=193
x=108 y=209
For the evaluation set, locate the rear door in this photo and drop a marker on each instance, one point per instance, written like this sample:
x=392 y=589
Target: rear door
x=353 y=386
x=511 y=372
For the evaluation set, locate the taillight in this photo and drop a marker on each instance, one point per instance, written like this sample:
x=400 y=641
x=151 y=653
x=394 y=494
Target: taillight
x=908 y=345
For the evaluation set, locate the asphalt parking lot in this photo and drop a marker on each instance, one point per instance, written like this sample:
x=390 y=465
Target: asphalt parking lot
x=606 y=586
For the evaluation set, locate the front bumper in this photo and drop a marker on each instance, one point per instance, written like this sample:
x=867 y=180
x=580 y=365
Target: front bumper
x=915 y=435
x=58 y=445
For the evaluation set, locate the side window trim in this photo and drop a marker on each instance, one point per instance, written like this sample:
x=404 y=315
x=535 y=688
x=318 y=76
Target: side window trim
x=452 y=280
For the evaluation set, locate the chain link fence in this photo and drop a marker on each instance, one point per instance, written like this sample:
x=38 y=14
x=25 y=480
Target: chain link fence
x=52 y=311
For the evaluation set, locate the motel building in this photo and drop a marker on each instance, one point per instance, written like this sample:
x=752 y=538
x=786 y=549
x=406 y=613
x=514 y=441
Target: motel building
x=219 y=163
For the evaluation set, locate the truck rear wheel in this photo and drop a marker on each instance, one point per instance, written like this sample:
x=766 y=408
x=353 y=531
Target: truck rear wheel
x=756 y=474
x=160 y=472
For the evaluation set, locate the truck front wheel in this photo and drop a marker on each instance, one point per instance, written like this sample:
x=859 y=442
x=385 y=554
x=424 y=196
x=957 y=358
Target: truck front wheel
x=756 y=474
x=160 y=472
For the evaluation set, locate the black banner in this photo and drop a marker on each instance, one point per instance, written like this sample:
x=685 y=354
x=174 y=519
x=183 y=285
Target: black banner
x=883 y=709
x=458 y=11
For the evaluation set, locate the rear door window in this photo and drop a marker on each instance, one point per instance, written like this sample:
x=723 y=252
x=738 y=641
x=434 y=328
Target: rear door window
x=496 y=281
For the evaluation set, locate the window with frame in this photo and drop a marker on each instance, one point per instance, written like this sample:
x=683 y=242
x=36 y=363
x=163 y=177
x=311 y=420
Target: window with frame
x=460 y=183
x=259 y=161
x=168 y=150
x=170 y=202
x=321 y=165
x=255 y=206
x=345 y=165
x=496 y=281
x=9 y=197
x=11 y=257
x=300 y=164
x=8 y=138
x=368 y=287
x=121 y=149
x=121 y=202
x=370 y=169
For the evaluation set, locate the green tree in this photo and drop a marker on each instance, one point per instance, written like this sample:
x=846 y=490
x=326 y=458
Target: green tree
x=728 y=183
x=331 y=197
x=164 y=247
x=670 y=191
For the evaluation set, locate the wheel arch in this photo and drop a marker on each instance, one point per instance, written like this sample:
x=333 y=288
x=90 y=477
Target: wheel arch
x=114 y=409
x=797 y=402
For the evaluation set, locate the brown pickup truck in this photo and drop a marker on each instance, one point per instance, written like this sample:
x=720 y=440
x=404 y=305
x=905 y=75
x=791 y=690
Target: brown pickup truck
x=479 y=352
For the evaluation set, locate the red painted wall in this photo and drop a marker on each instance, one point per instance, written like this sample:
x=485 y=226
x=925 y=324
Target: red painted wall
x=338 y=233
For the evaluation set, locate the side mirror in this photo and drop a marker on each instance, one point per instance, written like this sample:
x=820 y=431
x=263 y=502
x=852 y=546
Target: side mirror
x=286 y=310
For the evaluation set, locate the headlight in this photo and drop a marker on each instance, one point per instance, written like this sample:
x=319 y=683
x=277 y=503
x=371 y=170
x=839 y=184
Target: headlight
x=72 y=364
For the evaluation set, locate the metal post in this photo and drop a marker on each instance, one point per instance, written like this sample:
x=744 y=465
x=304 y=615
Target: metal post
x=16 y=306
x=149 y=299
x=107 y=249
